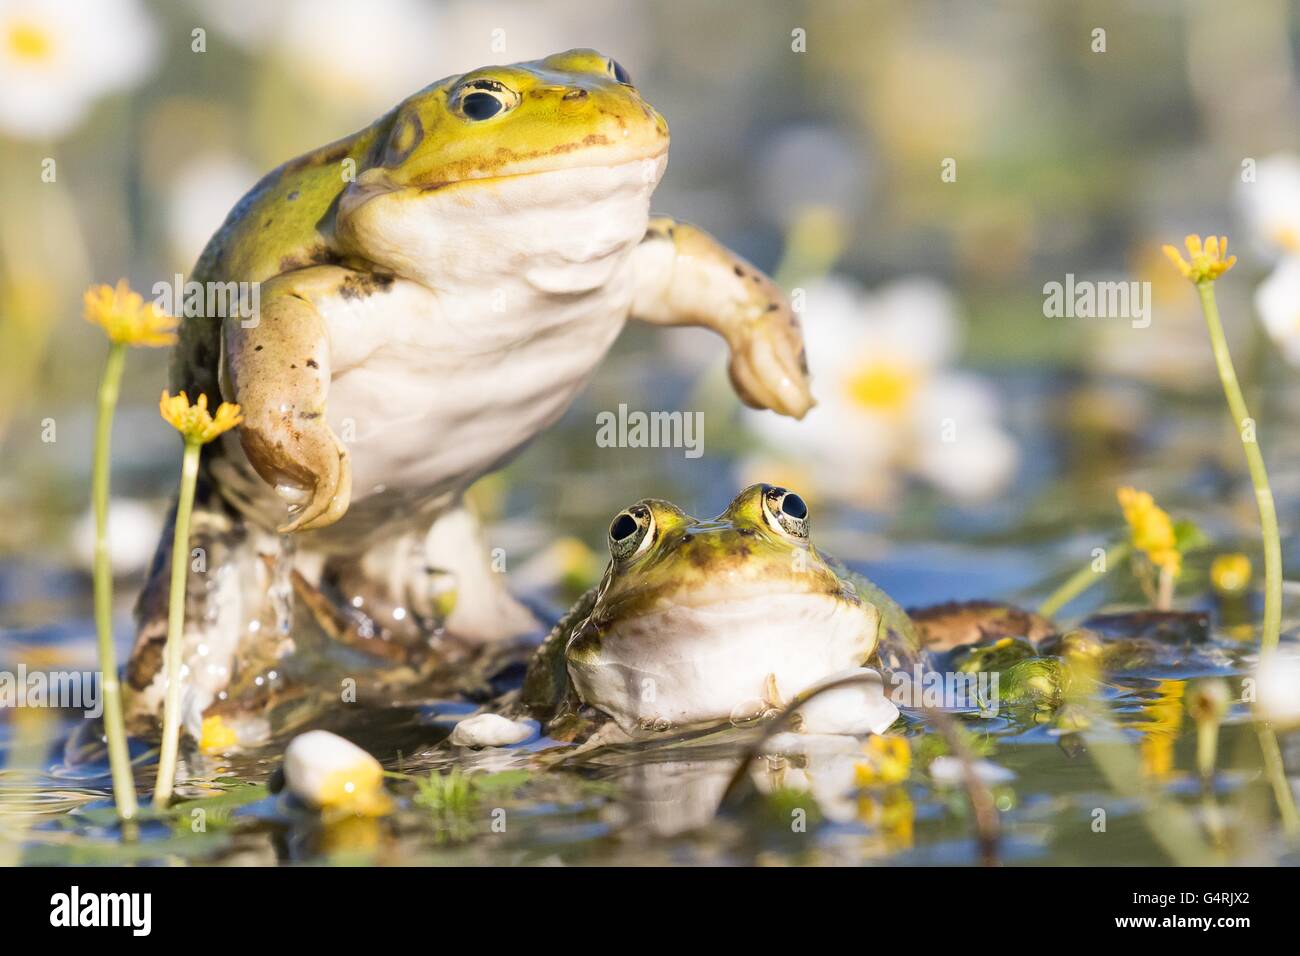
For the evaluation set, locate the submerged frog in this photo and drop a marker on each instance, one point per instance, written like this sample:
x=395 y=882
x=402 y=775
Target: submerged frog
x=697 y=623
x=434 y=291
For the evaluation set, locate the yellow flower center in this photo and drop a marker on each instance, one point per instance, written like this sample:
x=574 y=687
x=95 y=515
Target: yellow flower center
x=29 y=42
x=882 y=387
x=1288 y=238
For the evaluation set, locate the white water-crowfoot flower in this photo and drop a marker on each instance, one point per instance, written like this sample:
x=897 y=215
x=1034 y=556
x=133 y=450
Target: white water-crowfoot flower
x=1277 y=300
x=889 y=405
x=203 y=192
x=1271 y=207
x=1277 y=688
x=1271 y=203
x=58 y=56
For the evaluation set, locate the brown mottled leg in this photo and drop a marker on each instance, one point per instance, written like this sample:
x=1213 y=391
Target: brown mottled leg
x=686 y=277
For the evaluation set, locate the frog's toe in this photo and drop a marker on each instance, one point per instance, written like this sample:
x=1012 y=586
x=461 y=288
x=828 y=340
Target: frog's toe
x=308 y=467
x=327 y=502
x=769 y=369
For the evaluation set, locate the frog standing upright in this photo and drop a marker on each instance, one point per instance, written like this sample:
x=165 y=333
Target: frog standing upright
x=434 y=291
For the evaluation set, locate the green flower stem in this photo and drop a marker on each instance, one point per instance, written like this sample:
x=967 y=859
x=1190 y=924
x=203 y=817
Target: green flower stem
x=1083 y=579
x=1258 y=474
x=1276 y=772
x=119 y=759
x=175 y=625
x=1272 y=544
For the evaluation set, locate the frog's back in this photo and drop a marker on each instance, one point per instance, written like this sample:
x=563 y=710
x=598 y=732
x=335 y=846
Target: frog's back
x=283 y=223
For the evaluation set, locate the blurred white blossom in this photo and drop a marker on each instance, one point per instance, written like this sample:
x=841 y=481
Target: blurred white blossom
x=1271 y=204
x=199 y=198
x=889 y=405
x=1278 y=689
x=133 y=530
x=1278 y=302
x=58 y=56
x=1271 y=208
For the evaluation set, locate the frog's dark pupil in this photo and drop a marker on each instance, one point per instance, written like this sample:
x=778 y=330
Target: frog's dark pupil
x=794 y=506
x=624 y=526
x=480 y=106
x=620 y=74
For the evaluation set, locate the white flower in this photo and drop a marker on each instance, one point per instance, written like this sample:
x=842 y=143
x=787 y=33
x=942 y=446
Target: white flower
x=1277 y=689
x=887 y=402
x=1277 y=300
x=201 y=195
x=371 y=55
x=947 y=772
x=1271 y=204
x=857 y=709
x=58 y=56
x=491 y=730
x=326 y=772
x=133 y=529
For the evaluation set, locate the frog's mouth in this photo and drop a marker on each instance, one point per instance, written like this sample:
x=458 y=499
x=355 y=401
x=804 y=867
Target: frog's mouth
x=684 y=665
x=648 y=166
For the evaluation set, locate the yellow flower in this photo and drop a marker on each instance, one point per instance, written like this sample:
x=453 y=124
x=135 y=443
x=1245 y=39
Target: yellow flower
x=1208 y=262
x=216 y=736
x=193 y=421
x=127 y=318
x=1150 y=529
x=1230 y=574
x=888 y=761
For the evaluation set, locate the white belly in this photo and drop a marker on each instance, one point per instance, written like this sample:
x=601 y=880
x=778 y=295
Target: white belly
x=431 y=391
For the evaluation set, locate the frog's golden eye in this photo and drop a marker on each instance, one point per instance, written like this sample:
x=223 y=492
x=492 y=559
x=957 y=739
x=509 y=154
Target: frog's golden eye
x=786 y=512
x=618 y=73
x=483 y=99
x=631 y=532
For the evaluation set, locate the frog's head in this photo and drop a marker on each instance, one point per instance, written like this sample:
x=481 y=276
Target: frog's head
x=550 y=135
x=693 y=617
x=572 y=110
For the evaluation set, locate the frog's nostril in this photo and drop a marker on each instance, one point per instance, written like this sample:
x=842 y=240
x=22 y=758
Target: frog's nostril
x=575 y=95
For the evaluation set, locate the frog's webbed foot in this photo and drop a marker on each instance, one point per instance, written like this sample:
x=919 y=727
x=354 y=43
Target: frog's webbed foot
x=686 y=277
x=279 y=371
x=309 y=468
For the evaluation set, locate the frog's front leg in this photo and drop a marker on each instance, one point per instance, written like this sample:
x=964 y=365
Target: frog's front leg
x=279 y=373
x=683 y=276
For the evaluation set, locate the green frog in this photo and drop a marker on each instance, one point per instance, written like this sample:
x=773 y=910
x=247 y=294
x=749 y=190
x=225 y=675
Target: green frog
x=433 y=292
x=700 y=622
